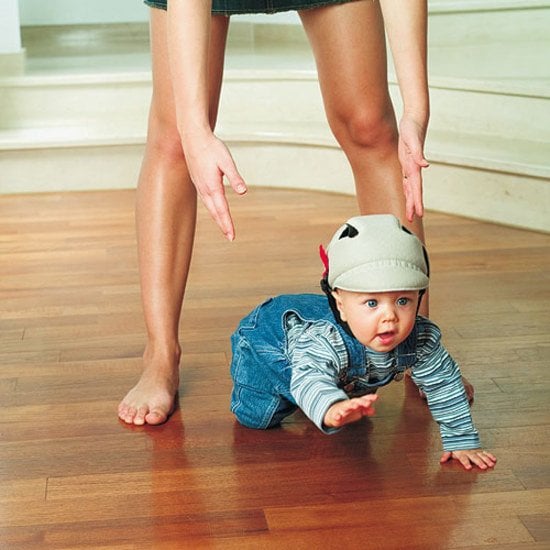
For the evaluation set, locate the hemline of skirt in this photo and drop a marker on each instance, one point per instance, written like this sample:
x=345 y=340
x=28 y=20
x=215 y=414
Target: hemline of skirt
x=265 y=9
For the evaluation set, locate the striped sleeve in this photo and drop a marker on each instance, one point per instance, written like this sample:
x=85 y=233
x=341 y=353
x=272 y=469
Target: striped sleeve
x=438 y=376
x=317 y=355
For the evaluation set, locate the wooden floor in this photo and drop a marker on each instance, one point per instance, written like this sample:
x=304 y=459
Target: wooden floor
x=72 y=476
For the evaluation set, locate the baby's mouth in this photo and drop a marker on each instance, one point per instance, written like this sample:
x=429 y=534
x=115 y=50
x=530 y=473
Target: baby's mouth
x=386 y=337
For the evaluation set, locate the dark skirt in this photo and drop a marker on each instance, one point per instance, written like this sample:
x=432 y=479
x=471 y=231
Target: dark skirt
x=230 y=7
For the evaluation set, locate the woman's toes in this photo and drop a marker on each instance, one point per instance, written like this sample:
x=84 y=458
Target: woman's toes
x=139 y=418
x=155 y=417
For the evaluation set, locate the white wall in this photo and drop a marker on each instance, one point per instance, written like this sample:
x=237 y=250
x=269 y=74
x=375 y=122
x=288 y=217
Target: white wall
x=66 y=12
x=60 y=12
x=63 y=12
x=484 y=5
x=10 y=37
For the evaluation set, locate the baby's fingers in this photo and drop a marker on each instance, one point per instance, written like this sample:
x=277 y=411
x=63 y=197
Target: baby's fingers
x=445 y=457
x=369 y=398
x=481 y=459
x=488 y=458
x=358 y=405
x=367 y=403
x=461 y=456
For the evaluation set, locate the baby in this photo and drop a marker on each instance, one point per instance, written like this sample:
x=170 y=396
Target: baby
x=329 y=354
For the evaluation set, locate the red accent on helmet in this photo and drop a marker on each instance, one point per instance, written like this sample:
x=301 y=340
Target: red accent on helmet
x=324 y=258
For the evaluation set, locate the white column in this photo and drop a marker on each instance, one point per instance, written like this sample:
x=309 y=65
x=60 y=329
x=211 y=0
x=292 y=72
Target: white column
x=10 y=35
x=11 y=53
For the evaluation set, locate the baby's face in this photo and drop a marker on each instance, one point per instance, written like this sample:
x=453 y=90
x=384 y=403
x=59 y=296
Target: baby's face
x=379 y=320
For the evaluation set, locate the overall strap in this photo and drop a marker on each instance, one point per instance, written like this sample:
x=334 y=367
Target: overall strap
x=405 y=353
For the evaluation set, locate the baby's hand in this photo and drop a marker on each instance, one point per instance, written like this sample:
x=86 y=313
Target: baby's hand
x=349 y=410
x=478 y=457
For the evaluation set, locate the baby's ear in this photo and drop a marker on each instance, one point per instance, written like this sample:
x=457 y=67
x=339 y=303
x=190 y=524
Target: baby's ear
x=339 y=305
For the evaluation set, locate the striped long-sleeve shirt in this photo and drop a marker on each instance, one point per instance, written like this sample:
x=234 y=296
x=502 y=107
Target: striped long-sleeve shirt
x=318 y=357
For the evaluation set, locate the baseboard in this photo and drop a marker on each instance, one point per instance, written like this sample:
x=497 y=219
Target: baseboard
x=12 y=64
x=509 y=199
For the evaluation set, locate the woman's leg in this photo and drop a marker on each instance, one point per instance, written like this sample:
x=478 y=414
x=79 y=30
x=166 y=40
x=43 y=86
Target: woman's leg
x=350 y=51
x=165 y=221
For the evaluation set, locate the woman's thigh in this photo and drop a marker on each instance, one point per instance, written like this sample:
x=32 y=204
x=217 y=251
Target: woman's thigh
x=163 y=107
x=349 y=45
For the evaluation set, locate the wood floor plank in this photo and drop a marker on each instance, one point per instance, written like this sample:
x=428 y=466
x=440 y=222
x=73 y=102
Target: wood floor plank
x=538 y=525
x=72 y=334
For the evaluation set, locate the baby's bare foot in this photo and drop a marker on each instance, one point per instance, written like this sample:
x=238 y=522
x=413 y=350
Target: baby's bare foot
x=151 y=400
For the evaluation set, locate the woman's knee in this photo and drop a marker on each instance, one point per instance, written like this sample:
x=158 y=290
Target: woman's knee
x=365 y=128
x=163 y=138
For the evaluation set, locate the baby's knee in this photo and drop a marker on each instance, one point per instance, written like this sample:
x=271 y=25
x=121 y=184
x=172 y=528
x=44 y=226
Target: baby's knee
x=250 y=420
x=254 y=409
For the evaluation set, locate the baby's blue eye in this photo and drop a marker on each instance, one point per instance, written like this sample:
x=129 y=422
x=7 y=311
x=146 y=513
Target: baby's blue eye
x=403 y=301
x=372 y=303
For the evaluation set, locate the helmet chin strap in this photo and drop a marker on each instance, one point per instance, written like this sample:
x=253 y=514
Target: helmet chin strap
x=420 y=296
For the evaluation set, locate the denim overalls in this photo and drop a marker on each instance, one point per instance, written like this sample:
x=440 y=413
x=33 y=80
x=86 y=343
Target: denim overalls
x=261 y=368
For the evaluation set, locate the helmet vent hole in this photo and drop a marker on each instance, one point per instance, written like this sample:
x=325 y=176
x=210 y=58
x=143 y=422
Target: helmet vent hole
x=349 y=232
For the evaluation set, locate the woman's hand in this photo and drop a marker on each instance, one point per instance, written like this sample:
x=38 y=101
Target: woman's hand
x=477 y=457
x=208 y=161
x=411 y=156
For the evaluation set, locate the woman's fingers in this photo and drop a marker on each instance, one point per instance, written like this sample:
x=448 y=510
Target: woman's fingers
x=209 y=161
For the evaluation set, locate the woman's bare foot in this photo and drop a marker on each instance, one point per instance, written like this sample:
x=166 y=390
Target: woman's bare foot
x=151 y=400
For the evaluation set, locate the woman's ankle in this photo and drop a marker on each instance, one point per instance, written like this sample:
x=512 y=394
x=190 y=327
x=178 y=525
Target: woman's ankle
x=165 y=355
